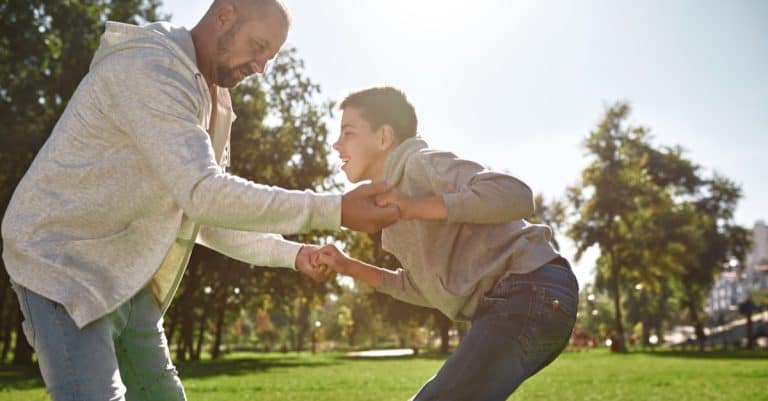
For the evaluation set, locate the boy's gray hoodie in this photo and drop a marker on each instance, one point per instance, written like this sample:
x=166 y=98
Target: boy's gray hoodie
x=102 y=204
x=449 y=264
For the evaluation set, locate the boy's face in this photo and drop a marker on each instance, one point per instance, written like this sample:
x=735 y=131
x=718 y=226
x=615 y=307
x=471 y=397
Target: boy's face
x=360 y=148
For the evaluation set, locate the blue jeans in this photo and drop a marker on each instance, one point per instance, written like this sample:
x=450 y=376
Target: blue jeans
x=122 y=356
x=521 y=325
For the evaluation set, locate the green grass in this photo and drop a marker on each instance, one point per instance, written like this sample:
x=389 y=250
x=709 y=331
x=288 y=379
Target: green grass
x=593 y=375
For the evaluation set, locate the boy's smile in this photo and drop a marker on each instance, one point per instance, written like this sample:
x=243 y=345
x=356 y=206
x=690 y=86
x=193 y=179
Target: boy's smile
x=361 y=149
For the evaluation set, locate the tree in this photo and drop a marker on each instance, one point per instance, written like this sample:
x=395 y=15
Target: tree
x=551 y=213
x=663 y=229
x=724 y=243
x=608 y=193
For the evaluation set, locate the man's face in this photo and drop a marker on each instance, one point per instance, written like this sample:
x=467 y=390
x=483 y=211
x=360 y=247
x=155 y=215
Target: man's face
x=246 y=47
x=359 y=147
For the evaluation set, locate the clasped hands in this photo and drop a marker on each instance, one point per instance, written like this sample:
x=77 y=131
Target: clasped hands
x=367 y=208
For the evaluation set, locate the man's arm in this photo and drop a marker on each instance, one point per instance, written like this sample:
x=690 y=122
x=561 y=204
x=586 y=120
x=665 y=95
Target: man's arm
x=155 y=107
x=260 y=249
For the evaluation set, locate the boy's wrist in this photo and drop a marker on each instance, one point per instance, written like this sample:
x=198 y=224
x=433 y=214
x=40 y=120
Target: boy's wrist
x=429 y=208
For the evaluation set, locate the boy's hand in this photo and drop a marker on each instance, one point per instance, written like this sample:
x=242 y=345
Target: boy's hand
x=305 y=264
x=429 y=208
x=395 y=198
x=332 y=258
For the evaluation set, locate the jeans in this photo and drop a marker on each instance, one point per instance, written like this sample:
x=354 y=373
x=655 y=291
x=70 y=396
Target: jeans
x=521 y=326
x=121 y=356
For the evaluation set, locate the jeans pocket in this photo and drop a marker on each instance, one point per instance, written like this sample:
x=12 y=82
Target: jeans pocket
x=29 y=332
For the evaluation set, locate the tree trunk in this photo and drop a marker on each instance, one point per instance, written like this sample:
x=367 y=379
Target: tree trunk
x=201 y=334
x=221 y=314
x=7 y=328
x=173 y=323
x=618 y=343
x=444 y=325
x=696 y=320
x=302 y=325
x=22 y=352
x=351 y=334
x=645 y=341
x=750 y=335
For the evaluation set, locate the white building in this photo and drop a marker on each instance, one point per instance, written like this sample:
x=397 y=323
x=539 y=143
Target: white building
x=732 y=288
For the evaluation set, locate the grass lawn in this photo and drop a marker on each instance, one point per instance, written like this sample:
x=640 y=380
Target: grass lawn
x=593 y=375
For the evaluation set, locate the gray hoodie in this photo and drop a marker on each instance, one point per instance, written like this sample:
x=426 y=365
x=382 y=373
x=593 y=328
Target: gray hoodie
x=102 y=205
x=449 y=264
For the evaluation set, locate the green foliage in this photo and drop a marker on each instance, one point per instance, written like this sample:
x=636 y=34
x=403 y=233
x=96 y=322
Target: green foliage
x=664 y=230
x=45 y=50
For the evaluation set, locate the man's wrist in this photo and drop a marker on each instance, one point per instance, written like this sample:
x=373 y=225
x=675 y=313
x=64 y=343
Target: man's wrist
x=298 y=255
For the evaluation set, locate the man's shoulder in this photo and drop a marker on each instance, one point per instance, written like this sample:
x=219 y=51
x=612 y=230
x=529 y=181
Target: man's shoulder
x=140 y=49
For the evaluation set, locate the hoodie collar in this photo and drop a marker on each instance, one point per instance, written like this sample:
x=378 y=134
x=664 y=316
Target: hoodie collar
x=394 y=166
x=180 y=35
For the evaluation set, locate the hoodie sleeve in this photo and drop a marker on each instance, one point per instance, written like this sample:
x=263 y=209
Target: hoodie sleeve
x=157 y=102
x=473 y=194
x=399 y=285
x=268 y=250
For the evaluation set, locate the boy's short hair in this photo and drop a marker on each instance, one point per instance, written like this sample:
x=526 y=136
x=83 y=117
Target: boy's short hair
x=384 y=105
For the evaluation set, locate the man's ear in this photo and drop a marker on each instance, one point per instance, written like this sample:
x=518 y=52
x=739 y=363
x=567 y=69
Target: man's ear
x=386 y=137
x=224 y=17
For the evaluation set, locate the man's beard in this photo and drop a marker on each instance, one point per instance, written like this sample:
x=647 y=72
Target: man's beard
x=226 y=77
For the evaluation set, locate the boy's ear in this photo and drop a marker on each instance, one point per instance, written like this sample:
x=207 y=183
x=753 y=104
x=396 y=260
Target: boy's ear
x=386 y=137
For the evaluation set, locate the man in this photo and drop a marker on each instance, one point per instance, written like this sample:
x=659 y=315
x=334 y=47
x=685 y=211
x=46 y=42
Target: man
x=99 y=231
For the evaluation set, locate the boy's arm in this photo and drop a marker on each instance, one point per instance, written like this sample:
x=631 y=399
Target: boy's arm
x=397 y=284
x=467 y=193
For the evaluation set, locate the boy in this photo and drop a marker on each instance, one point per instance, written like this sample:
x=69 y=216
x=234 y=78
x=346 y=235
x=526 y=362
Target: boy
x=465 y=250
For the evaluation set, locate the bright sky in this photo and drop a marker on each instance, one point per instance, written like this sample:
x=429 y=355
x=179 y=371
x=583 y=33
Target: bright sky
x=518 y=85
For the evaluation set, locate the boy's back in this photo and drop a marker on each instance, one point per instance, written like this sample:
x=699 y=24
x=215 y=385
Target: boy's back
x=450 y=263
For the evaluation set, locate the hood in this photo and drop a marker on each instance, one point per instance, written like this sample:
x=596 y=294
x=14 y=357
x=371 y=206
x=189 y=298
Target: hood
x=119 y=37
x=394 y=166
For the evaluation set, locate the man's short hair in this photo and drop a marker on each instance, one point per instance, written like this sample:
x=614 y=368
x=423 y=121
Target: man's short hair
x=384 y=105
x=260 y=8
x=276 y=5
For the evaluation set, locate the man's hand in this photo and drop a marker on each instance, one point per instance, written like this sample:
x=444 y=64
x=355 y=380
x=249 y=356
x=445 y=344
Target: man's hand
x=305 y=263
x=359 y=211
x=395 y=198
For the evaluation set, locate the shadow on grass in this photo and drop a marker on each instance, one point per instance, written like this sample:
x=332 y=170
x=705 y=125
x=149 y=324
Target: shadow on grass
x=738 y=354
x=423 y=355
x=13 y=378
x=246 y=365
